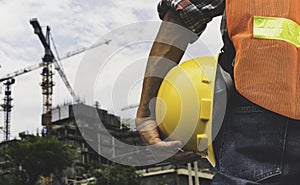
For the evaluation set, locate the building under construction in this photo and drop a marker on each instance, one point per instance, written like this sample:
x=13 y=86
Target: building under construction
x=70 y=129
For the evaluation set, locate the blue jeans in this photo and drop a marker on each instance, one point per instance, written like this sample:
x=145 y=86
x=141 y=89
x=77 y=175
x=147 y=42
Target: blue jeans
x=256 y=146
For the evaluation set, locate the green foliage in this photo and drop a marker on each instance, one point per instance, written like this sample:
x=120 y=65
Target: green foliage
x=163 y=180
x=14 y=177
x=35 y=156
x=115 y=174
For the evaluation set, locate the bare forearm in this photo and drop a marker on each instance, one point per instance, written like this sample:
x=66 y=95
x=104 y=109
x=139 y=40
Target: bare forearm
x=162 y=58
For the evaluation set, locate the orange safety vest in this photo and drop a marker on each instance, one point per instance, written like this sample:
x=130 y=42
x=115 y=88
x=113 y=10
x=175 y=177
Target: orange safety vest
x=267 y=70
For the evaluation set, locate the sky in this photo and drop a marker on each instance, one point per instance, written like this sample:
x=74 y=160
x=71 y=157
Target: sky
x=74 y=25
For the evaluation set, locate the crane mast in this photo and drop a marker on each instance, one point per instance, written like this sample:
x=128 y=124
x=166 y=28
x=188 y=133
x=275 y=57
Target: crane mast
x=47 y=77
x=7 y=106
x=47 y=73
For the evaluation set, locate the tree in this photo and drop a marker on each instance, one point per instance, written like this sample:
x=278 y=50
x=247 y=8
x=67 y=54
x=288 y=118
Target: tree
x=34 y=156
x=115 y=174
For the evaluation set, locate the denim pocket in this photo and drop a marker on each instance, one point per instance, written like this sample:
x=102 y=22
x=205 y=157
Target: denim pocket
x=253 y=144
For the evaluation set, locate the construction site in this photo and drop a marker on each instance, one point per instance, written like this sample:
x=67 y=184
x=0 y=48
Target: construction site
x=59 y=121
x=161 y=92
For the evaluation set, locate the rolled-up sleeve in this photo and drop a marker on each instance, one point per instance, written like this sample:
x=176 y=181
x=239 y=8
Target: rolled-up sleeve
x=195 y=14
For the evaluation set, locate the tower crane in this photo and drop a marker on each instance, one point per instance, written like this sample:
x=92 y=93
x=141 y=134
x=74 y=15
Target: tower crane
x=7 y=106
x=130 y=107
x=47 y=83
x=39 y=65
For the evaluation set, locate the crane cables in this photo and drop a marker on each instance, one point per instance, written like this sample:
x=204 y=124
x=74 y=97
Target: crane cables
x=60 y=70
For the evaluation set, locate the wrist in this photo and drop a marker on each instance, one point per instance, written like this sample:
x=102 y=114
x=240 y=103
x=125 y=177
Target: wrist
x=145 y=124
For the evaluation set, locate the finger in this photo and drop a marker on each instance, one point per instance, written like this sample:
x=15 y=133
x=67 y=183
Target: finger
x=170 y=144
x=166 y=149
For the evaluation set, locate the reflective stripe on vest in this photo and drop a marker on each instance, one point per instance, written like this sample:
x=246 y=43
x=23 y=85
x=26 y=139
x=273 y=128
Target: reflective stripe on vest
x=277 y=29
x=266 y=37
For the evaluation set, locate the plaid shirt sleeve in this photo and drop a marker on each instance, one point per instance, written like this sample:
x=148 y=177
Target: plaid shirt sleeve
x=194 y=13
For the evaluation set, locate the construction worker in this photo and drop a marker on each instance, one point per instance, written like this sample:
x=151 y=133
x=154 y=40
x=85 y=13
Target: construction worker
x=259 y=142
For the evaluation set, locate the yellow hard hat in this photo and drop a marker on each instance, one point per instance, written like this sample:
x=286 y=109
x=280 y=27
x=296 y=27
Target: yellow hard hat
x=185 y=101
